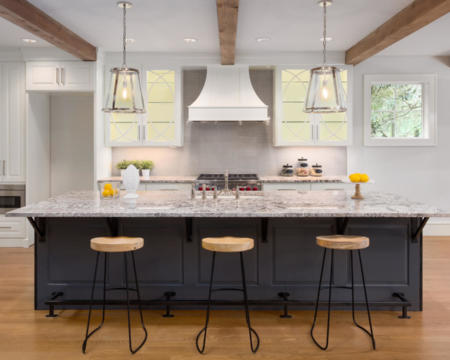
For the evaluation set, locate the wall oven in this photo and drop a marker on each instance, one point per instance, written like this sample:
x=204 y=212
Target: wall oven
x=11 y=197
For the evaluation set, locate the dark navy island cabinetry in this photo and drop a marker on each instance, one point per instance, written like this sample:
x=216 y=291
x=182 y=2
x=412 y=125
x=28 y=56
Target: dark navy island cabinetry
x=283 y=268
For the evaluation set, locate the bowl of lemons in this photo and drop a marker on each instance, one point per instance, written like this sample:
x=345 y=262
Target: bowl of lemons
x=109 y=190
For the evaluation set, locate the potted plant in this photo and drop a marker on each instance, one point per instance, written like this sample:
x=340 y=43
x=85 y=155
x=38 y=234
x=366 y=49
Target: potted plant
x=122 y=166
x=146 y=166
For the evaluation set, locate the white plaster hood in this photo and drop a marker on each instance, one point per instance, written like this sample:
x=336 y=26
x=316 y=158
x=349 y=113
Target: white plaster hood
x=228 y=95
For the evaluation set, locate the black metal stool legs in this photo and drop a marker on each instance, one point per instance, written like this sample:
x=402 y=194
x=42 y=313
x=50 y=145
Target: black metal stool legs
x=205 y=329
x=370 y=333
x=128 y=304
x=247 y=314
x=127 y=289
x=318 y=299
x=251 y=331
x=366 y=299
x=89 y=334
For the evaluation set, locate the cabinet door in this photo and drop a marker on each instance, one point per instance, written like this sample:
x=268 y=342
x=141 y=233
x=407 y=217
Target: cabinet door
x=13 y=123
x=294 y=127
x=331 y=186
x=286 y=186
x=42 y=76
x=76 y=76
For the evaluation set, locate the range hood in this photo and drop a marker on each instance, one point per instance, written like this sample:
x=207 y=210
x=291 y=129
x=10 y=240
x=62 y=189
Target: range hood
x=228 y=95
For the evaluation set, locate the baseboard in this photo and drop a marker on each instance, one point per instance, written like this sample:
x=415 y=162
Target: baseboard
x=437 y=227
x=23 y=243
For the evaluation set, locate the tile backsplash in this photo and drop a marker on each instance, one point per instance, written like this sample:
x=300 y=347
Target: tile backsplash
x=215 y=147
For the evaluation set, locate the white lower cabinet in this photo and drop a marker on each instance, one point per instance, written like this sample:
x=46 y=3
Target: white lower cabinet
x=306 y=186
x=330 y=186
x=167 y=186
x=12 y=232
x=286 y=186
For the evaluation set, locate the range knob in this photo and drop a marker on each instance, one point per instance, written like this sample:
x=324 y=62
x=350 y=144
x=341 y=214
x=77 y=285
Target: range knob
x=200 y=188
x=248 y=188
x=255 y=188
x=241 y=189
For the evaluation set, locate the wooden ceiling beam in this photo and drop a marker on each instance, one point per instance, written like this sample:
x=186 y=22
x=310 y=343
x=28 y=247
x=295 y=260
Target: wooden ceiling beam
x=227 y=14
x=34 y=20
x=413 y=17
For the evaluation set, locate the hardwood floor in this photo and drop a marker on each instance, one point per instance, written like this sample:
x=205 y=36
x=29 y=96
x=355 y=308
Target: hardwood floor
x=28 y=334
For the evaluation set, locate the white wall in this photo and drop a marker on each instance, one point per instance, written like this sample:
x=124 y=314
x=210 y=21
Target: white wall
x=71 y=143
x=419 y=173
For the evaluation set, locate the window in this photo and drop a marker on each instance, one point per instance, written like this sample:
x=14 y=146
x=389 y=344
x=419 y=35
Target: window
x=161 y=125
x=399 y=110
x=292 y=126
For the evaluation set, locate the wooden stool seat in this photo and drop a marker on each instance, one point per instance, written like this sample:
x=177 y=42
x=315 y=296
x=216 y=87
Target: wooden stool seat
x=228 y=244
x=343 y=242
x=116 y=244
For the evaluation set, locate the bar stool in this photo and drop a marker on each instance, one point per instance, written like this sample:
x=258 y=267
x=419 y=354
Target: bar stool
x=107 y=245
x=349 y=243
x=227 y=245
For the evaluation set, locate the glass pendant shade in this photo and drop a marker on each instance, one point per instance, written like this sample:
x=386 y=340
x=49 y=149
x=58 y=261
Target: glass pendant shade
x=125 y=93
x=325 y=92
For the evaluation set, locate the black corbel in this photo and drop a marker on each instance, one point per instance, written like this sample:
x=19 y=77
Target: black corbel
x=189 y=235
x=39 y=231
x=415 y=237
x=264 y=229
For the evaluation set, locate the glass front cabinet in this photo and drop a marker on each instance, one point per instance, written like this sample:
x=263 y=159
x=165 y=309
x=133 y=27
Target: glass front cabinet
x=292 y=126
x=162 y=123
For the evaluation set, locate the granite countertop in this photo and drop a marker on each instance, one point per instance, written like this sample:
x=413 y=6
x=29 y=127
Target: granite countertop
x=264 y=179
x=301 y=179
x=158 y=179
x=330 y=203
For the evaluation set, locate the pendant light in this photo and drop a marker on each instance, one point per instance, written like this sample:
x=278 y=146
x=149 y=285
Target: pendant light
x=325 y=92
x=125 y=93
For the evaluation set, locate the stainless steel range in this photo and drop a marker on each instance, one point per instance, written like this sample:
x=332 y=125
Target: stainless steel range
x=231 y=182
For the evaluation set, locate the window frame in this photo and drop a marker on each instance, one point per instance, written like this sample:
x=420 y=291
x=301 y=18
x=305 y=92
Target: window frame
x=142 y=118
x=315 y=119
x=429 y=108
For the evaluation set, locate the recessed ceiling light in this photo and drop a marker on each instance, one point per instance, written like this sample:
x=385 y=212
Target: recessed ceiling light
x=262 y=39
x=327 y=3
x=130 y=41
x=328 y=38
x=29 y=41
x=190 y=40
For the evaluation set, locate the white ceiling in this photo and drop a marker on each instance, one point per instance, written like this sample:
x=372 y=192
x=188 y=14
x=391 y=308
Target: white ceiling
x=12 y=35
x=291 y=25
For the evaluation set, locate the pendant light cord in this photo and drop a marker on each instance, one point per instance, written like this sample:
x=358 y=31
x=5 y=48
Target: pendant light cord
x=324 y=32
x=124 y=39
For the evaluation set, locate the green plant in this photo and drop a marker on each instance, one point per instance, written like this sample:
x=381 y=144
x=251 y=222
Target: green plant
x=122 y=165
x=137 y=164
x=147 y=164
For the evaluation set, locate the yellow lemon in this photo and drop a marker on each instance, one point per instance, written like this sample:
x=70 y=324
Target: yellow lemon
x=364 y=178
x=107 y=186
x=355 y=177
x=106 y=193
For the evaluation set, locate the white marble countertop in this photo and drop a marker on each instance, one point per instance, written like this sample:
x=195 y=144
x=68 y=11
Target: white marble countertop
x=264 y=179
x=330 y=203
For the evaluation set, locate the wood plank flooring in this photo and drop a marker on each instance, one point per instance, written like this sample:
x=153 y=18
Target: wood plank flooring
x=28 y=334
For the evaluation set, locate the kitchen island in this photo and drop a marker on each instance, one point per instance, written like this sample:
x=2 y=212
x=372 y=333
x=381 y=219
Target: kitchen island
x=283 y=268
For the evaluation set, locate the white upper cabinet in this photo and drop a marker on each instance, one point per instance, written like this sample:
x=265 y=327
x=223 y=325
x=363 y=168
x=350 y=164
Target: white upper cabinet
x=12 y=122
x=60 y=76
x=162 y=123
x=293 y=127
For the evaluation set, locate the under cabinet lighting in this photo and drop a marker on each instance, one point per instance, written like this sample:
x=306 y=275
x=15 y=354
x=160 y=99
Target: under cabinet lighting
x=190 y=40
x=262 y=39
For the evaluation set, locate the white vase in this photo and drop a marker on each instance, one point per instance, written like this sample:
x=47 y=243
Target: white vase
x=130 y=181
x=145 y=173
x=122 y=171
